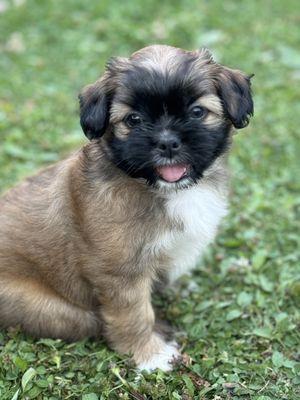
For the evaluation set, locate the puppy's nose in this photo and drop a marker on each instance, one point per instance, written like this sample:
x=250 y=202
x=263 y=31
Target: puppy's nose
x=168 y=145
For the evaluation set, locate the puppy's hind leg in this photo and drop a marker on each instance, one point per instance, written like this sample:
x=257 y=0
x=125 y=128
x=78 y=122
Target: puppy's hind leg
x=43 y=313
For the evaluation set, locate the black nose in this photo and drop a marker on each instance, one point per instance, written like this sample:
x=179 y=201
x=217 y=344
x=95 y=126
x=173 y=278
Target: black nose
x=168 y=145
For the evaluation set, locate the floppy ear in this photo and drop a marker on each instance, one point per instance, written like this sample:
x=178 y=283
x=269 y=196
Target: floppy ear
x=234 y=88
x=94 y=105
x=95 y=99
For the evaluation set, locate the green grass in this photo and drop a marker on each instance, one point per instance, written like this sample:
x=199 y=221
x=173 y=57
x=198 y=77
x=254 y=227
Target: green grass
x=239 y=329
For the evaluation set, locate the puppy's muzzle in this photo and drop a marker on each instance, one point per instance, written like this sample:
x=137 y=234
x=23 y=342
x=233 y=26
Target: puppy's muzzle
x=168 y=144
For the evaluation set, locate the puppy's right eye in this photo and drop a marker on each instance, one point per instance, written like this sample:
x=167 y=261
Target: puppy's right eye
x=133 y=120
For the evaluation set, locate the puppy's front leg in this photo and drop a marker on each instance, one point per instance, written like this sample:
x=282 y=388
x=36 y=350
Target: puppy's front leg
x=129 y=327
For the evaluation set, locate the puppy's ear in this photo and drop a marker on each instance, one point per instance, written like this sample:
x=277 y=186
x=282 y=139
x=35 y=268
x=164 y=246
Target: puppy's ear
x=234 y=88
x=95 y=99
x=94 y=104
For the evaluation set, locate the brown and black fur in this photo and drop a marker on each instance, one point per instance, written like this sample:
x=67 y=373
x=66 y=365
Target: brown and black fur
x=74 y=239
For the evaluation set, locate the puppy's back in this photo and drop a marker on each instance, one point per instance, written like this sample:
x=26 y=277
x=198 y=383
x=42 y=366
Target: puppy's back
x=34 y=218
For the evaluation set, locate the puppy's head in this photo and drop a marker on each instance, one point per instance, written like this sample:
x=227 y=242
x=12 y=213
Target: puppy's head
x=165 y=114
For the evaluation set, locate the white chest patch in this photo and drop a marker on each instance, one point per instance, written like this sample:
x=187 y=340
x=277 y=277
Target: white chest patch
x=199 y=210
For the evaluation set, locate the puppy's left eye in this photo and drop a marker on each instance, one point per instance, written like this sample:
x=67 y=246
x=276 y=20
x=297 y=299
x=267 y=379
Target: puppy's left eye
x=132 y=120
x=198 y=112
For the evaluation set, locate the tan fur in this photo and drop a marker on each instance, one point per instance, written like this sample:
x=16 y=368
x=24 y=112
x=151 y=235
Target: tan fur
x=74 y=233
x=73 y=255
x=75 y=240
x=212 y=103
x=118 y=112
x=162 y=58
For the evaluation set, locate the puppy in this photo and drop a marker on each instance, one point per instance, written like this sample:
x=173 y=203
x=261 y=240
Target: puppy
x=83 y=242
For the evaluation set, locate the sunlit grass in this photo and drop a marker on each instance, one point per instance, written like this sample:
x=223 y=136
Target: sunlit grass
x=241 y=326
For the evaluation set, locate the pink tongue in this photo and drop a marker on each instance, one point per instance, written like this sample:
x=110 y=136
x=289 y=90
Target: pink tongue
x=172 y=173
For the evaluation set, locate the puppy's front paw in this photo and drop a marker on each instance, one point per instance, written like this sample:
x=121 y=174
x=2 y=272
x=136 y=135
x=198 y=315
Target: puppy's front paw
x=161 y=355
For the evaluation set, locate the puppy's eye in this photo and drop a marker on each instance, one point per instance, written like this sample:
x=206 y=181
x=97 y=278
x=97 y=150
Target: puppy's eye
x=198 y=112
x=133 y=120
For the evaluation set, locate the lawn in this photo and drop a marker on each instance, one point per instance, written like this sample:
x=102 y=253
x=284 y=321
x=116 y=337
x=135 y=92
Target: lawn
x=239 y=327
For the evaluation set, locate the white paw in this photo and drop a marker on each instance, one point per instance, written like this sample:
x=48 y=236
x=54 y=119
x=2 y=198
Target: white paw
x=162 y=359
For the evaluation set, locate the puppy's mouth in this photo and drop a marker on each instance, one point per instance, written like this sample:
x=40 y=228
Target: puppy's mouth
x=173 y=173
